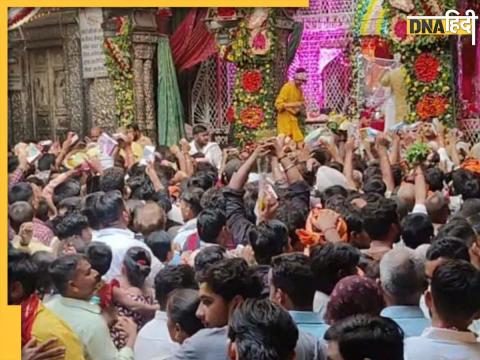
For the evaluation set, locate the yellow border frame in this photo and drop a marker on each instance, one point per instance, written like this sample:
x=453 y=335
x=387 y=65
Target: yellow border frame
x=10 y=315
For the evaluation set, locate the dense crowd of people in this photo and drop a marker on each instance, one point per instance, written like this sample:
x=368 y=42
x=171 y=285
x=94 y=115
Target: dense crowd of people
x=341 y=250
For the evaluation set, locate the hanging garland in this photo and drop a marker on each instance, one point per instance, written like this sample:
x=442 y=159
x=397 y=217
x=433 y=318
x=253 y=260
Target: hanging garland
x=118 y=59
x=253 y=50
x=427 y=62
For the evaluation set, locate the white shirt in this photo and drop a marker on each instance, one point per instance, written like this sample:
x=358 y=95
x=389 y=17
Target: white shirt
x=184 y=232
x=442 y=344
x=320 y=302
x=120 y=240
x=212 y=152
x=153 y=340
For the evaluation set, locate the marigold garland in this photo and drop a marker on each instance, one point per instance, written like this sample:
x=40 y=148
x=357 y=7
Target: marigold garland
x=252 y=117
x=431 y=106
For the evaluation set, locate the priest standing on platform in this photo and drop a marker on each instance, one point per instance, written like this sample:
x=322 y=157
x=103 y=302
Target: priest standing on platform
x=289 y=104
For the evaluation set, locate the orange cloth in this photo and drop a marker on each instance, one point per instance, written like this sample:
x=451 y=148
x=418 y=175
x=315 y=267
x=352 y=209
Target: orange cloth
x=472 y=165
x=312 y=236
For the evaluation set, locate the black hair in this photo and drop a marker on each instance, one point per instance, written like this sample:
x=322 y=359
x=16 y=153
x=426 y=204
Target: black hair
x=250 y=200
x=160 y=242
x=455 y=290
x=137 y=263
x=448 y=247
x=113 y=179
x=466 y=183
x=108 y=208
x=99 y=256
x=141 y=187
x=210 y=223
x=213 y=199
x=367 y=337
x=271 y=239
x=173 y=277
x=470 y=207
x=65 y=190
x=417 y=229
x=331 y=191
x=209 y=255
x=63 y=269
x=321 y=155
x=292 y=274
x=231 y=277
x=192 y=197
x=374 y=184
x=335 y=202
x=133 y=126
x=435 y=178
x=378 y=217
x=71 y=204
x=42 y=260
x=22 y=269
x=70 y=224
x=262 y=330
x=20 y=212
x=12 y=163
x=336 y=165
x=41 y=212
x=46 y=162
x=397 y=173
x=332 y=262
x=88 y=209
x=294 y=215
x=203 y=181
x=372 y=171
x=21 y=191
x=231 y=167
x=198 y=129
x=460 y=228
x=181 y=308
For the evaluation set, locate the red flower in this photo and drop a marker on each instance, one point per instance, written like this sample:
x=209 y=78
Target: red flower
x=226 y=12
x=427 y=68
x=431 y=106
x=252 y=116
x=252 y=81
x=230 y=115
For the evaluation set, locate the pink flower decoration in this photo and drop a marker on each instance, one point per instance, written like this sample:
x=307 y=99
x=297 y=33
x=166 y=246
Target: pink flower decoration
x=259 y=41
x=400 y=29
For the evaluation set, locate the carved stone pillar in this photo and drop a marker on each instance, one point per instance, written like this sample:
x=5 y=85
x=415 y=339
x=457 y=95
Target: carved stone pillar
x=144 y=40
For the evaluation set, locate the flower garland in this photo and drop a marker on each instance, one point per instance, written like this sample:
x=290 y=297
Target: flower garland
x=252 y=111
x=118 y=60
x=427 y=61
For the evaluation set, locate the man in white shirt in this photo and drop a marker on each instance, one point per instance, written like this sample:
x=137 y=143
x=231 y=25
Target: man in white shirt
x=190 y=208
x=454 y=302
x=153 y=341
x=201 y=144
x=111 y=213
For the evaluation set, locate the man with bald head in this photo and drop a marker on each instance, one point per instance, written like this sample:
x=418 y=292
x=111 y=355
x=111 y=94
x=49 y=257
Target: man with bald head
x=403 y=282
x=95 y=134
x=438 y=209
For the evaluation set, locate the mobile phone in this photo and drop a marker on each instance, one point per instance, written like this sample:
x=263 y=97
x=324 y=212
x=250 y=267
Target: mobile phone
x=74 y=138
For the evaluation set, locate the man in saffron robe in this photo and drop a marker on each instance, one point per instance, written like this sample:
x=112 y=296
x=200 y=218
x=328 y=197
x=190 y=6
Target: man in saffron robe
x=289 y=104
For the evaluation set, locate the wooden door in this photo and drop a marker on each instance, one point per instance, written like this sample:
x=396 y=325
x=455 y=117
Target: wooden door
x=47 y=69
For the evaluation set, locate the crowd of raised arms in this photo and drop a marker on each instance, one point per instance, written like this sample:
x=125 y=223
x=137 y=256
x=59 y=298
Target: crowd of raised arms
x=338 y=250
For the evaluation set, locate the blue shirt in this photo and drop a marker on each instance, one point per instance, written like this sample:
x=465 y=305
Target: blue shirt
x=310 y=322
x=409 y=318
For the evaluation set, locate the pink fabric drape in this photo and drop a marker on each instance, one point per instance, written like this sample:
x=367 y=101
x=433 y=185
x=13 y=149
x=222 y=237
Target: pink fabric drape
x=192 y=43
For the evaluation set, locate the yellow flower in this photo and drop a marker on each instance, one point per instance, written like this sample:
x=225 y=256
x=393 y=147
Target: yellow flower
x=240 y=43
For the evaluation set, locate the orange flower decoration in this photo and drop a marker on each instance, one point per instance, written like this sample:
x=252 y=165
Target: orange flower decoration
x=431 y=106
x=311 y=236
x=252 y=117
